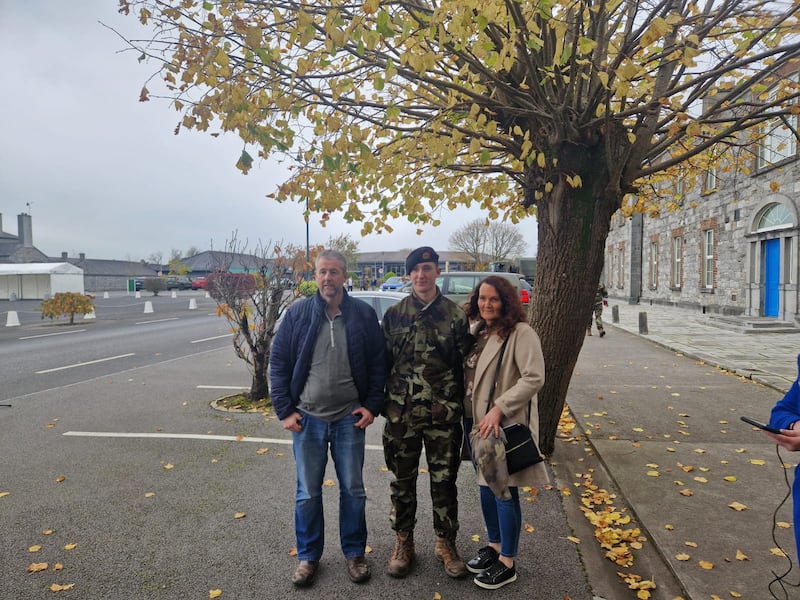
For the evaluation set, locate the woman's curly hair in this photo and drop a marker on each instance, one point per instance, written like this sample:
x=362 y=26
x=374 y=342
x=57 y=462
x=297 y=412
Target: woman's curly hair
x=511 y=312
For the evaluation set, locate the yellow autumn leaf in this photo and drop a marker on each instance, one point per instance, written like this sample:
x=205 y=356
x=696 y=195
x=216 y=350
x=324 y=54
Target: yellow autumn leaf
x=329 y=483
x=239 y=515
x=367 y=549
x=700 y=479
x=48 y=532
x=60 y=478
x=69 y=547
x=690 y=544
x=783 y=524
x=741 y=555
x=707 y=565
x=653 y=474
x=149 y=494
x=58 y=567
x=476 y=537
x=777 y=552
x=735 y=594
x=293 y=552
x=169 y=466
x=638 y=429
x=35 y=548
x=682 y=556
x=730 y=478
x=4 y=494
x=262 y=450
x=686 y=492
x=60 y=588
x=757 y=461
x=737 y=506
x=214 y=593
x=36 y=567
x=669 y=527
x=573 y=539
x=437 y=596
x=529 y=528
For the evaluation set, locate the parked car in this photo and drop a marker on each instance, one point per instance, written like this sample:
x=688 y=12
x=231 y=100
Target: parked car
x=179 y=282
x=458 y=285
x=392 y=284
x=380 y=301
x=199 y=283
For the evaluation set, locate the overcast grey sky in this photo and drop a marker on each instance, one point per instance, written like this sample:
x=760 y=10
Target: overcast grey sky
x=103 y=174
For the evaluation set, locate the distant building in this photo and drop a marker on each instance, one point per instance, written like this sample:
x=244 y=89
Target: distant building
x=19 y=248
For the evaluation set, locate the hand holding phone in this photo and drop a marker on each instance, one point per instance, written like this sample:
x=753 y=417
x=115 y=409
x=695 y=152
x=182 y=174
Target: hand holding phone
x=760 y=425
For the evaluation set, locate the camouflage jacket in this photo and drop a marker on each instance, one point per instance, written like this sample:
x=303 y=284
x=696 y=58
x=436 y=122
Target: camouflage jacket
x=425 y=349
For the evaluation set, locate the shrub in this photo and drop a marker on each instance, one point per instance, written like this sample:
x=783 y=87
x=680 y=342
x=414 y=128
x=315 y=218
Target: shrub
x=67 y=303
x=307 y=288
x=154 y=284
x=224 y=286
x=388 y=275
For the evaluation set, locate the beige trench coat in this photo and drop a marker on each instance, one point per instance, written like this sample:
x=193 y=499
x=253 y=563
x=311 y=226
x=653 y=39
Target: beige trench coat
x=520 y=379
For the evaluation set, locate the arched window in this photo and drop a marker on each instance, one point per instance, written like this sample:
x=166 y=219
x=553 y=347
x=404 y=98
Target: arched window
x=774 y=217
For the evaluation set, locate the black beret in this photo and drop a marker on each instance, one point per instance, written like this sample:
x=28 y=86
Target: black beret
x=420 y=255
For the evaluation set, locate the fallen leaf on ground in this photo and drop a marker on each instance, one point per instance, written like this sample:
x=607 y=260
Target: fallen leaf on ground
x=169 y=466
x=239 y=515
x=60 y=478
x=737 y=506
x=777 y=552
x=60 y=588
x=36 y=567
x=70 y=547
x=214 y=593
x=706 y=565
x=741 y=555
x=34 y=548
x=683 y=556
x=329 y=483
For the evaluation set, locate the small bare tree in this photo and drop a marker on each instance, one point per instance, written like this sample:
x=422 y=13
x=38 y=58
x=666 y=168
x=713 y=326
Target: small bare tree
x=504 y=241
x=252 y=301
x=483 y=242
x=470 y=239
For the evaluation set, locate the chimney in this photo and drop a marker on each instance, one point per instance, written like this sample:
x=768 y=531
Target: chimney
x=25 y=230
x=82 y=256
x=64 y=256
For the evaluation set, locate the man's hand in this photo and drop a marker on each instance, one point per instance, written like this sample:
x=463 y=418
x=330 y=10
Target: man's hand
x=789 y=438
x=365 y=417
x=292 y=422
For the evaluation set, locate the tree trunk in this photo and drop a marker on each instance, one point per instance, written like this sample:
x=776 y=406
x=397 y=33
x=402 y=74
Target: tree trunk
x=573 y=226
x=259 y=388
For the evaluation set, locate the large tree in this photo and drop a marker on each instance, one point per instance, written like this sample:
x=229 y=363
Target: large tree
x=404 y=108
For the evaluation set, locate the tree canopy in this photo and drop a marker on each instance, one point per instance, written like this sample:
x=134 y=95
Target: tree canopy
x=398 y=109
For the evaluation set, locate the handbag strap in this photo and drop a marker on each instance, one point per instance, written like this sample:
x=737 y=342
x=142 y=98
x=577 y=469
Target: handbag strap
x=496 y=375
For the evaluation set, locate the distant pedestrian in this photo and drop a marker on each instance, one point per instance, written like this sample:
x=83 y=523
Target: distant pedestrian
x=327 y=375
x=786 y=417
x=600 y=300
x=349 y=284
x=427 y=338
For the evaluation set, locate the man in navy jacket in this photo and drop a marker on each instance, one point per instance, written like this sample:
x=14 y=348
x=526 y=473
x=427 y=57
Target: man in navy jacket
x=327 y=374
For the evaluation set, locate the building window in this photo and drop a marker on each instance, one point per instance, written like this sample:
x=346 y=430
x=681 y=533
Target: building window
x=776 y=216
x=677 y=262
x=710 y=184
x=708 y=259
x=621 y=267
x=653 y=265
x=777 y=142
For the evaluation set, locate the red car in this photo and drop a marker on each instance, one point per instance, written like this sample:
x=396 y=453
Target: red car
x=199 y=283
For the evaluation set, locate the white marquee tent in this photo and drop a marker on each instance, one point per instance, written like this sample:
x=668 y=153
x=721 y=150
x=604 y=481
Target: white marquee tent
x=36 y=281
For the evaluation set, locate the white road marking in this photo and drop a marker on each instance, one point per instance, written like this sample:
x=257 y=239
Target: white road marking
x=41 y=335
x=157 y=321
x=222 y=387
x=83 y=364
x=190 y=436
x=216 y=337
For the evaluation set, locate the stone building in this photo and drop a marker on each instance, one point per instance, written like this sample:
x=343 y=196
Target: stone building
x=733 y=248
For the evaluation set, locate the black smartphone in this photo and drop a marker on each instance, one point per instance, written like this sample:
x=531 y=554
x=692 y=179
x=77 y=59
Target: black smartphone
x=760 y=425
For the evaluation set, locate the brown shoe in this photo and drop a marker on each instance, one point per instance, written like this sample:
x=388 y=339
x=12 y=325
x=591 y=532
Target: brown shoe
x=358 y=569
x=402 y=556
x=305 y=572
x=446 y=552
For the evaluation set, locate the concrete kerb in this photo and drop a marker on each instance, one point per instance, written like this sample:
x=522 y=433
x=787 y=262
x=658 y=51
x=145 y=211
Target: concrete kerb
x=12 y=319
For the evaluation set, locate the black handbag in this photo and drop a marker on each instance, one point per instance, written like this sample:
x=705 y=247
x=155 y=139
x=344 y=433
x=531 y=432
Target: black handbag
x=521 y=451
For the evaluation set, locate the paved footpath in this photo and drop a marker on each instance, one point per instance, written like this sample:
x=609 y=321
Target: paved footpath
x=658 y=426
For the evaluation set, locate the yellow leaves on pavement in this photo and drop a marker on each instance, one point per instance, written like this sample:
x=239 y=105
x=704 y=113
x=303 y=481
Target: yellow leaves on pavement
x=730 y=478
x=476 y=537
x=4 y=494
x=36 y=567
x=757 y=461
x=741 y=555
x=529 y=528
x=239 y=515
x=149 y=494
x=706 y=565
x=737 y=506
x=48 y=532
x=214 y=593
x=60 y=588
x=329 y=483
x=169 y=466
x=69 y=547
x=690 y=544
x=778 y=552
x=437 y=596
x=35 y=548
x=60 y=478
x=682 y=556
x=293 y=552
x=262 y=451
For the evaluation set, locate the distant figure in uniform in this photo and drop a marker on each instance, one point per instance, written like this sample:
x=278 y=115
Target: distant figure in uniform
x=600 y=300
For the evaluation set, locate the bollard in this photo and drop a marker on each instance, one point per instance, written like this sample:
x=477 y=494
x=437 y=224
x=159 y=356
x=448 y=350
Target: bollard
x=105 y=295
x=174 y=294
x=148 y=307
x=12 y=297
x=138 y=295
x=12 y=320
x=643 y=323
x=208 y=295
x=615 y=314
x=192 y=304
x=90 y=315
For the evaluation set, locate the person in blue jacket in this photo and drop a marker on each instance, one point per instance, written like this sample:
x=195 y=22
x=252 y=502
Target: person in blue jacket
x=327 y=374
x=786 y=417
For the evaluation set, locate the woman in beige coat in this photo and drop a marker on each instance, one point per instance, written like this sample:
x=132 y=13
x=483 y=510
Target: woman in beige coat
x=497 y=314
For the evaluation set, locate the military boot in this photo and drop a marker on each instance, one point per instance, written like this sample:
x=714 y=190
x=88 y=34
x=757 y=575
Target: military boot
x=446 y=552
x=402 y=556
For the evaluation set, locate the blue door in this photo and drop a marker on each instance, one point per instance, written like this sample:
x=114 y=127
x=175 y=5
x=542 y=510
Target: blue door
x=772 y=276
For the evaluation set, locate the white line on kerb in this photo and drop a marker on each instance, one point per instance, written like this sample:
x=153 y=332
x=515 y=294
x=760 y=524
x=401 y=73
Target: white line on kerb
x=222 y=387
x=83 y=364
x=30 y=337
x=189 y=436
x=216 y=337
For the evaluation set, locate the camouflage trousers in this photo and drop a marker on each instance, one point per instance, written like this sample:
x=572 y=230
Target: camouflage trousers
x=402 y=449
x=598 y=318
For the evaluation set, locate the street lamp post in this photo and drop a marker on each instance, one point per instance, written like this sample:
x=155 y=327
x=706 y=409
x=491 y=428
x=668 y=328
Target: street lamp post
x=308 y=248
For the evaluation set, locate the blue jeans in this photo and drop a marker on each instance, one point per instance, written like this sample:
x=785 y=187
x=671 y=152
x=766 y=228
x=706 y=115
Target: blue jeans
x=503 y=520
x=310 y=447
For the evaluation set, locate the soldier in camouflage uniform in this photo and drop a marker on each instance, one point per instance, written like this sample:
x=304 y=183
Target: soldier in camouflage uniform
x=427 y=336
x=597 y=308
